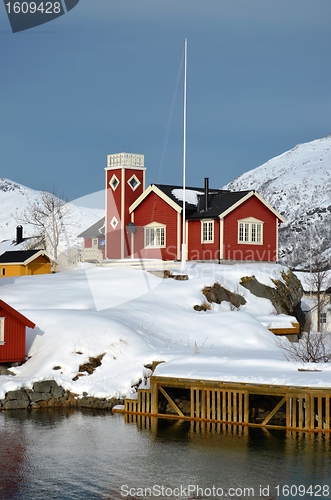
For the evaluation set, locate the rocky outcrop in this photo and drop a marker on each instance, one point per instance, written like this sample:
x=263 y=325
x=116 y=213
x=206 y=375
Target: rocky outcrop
x=217 y=293
x=4 y=370
x=165 y=273
x=48 y=394
x=285 y=296
x=89 y=366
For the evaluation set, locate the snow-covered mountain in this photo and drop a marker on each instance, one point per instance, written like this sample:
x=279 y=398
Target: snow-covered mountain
x=15 y=198
x=298 y=184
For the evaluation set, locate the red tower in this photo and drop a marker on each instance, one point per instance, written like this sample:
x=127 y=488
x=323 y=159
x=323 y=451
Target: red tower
x=125 y=182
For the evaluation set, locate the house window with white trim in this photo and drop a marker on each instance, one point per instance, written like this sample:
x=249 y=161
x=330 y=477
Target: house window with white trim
x=2 y=330
x=154 y=236
x=323 y=317
x=250 y=230
x=207 y=231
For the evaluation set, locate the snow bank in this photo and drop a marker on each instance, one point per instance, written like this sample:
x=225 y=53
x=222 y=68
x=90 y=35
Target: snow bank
x=134 y=317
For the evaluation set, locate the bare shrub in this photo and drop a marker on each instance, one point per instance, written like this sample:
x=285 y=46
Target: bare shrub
x=46 y=215
x=313 y=347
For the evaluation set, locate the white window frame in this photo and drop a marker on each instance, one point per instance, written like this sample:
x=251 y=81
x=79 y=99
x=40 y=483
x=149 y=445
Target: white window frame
x=207 y=231
x=155 y=235
x=114 y=178
x=134 y=177
x=2 y=330
x=250 y=231
x=323 y=318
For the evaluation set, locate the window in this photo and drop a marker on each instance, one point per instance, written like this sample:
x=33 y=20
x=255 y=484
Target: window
x=323 y=318
x=114 y=182
x=2 y=330
x=250 y=231
x=154 y=236
x=3 y=271
x=207 y=229
x=134 y=182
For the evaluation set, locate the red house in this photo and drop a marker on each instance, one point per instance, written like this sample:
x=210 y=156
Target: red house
x=148 y=223
x=12 y=334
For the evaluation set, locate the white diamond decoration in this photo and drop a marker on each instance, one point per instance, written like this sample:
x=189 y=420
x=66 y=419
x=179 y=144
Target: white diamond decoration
x=114 y=222
x=134 y=182
x=114 y=182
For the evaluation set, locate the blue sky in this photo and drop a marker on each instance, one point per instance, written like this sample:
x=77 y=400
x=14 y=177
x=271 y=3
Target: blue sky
x=102 y=78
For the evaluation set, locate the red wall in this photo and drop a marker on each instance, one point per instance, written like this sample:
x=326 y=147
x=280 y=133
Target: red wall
x=233 y=250
x=15 y=339
x=202 y=251
x=114 y=203
x=154 y=209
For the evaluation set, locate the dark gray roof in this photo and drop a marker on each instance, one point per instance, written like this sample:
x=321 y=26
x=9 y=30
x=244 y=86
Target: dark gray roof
x=19 y=256
x=218 y=200
x=94 y=231
x=168 y=190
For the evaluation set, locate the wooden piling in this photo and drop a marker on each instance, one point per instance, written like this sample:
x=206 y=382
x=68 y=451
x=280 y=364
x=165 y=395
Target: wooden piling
x=290 y=407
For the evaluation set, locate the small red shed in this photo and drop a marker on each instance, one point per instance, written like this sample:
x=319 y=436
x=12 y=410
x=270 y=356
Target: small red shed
x=12 y=334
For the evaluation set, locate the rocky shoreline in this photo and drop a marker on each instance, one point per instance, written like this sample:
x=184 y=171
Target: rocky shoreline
x=48 y=394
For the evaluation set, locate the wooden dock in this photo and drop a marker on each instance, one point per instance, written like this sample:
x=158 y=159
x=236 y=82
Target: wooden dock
x=268 y=406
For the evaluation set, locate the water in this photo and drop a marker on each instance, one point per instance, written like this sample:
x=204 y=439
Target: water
x=83 y=455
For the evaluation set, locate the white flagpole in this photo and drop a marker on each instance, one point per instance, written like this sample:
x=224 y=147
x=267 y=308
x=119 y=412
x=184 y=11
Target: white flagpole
x=183 y=263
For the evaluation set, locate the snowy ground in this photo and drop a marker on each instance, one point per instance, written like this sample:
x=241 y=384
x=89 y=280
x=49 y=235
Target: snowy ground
x=135 y=318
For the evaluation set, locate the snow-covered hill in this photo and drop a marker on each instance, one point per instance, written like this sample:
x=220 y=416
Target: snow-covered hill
x=15 y=198
x=298 y=184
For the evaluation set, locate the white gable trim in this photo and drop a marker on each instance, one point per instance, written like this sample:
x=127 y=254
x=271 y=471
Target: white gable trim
x=259 y=197
x=42 y=253
x=251 y=219
x=155 y=224
x=158 y=192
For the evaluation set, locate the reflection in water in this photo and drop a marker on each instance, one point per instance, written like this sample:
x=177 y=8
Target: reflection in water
x=68 y=454
x=12 y=460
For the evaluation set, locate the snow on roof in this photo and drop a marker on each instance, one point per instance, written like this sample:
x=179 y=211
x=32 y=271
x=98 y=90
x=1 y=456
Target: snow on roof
x=190 y=195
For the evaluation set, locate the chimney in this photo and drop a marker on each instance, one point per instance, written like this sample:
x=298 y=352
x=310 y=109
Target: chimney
x=19 y=234
x=206 y=193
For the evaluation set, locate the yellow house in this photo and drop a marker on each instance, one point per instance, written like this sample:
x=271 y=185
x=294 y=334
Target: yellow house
x=25 y=263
